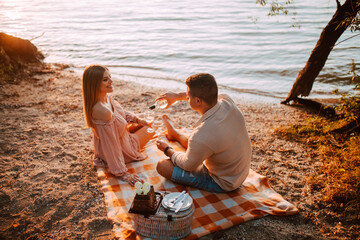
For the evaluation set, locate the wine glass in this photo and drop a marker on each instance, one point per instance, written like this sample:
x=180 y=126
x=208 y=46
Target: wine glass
x=141 y=116
x=157 y=126
x=149 y=118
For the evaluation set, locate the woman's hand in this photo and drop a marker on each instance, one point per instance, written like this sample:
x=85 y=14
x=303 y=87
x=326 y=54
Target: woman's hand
x=161 y=145
x=131 y=179
x=142 y=122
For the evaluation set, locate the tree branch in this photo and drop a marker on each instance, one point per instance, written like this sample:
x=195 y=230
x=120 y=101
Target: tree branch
x=37 y=36
x=347 y=39
x=338 y=4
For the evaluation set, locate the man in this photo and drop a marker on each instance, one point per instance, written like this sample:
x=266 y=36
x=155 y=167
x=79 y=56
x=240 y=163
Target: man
x=218 y=152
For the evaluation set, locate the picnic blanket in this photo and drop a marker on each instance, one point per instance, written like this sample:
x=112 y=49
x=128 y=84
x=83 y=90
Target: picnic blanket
x=213 y=212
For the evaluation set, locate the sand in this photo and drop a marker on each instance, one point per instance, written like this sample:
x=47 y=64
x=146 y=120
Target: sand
x=49 y=188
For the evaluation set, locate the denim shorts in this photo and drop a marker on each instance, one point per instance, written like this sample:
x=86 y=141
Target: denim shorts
x=199 y=179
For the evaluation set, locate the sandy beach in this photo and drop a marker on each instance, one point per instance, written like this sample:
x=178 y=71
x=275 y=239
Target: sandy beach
x=49 y=187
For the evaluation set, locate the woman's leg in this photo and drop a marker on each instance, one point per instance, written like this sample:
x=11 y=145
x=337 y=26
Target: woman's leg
x=144 y=136
x=173 y=134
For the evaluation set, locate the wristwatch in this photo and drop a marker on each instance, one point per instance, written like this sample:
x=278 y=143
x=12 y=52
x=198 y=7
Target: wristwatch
x=165 y=150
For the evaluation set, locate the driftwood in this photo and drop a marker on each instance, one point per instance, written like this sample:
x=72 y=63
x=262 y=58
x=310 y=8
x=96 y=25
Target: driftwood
x=329 y=111
x=317 y=107
x=19 y=49
x=351 y=127
x=15 y=54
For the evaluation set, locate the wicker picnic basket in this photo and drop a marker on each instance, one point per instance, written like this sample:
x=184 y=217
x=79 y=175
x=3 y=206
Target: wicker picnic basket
x=164 y=224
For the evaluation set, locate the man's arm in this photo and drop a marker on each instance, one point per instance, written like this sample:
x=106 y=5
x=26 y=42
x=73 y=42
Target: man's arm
x=172 y=97
x=181 y=96
x=194 y=156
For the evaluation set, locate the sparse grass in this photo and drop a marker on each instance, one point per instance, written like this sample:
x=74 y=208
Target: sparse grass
x=7 y=69
x=339 y=176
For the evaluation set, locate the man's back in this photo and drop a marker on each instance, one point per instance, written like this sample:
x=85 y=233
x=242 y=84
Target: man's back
x=223 y=131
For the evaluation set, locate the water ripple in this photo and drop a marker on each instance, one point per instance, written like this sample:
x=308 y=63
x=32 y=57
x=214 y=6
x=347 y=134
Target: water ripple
x=162 y=42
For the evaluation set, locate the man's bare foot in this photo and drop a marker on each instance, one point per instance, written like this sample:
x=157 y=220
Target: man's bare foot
x=172 y=133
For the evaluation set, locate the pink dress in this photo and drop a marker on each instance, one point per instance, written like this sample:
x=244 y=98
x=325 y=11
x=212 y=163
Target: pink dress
x=114 y=144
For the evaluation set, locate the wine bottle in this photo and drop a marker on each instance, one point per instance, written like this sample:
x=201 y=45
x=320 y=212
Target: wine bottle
x=159 y=104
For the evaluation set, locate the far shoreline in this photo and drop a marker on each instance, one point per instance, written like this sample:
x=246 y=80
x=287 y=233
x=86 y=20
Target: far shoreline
x=249 y=95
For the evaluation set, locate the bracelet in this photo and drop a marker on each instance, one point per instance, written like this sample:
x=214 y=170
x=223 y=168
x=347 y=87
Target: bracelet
x=167 y=148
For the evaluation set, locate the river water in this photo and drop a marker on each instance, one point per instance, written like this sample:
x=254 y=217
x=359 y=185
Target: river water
x=160 y=43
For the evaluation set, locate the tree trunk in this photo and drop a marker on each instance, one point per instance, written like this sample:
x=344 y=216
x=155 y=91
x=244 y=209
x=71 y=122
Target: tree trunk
x=330 y=34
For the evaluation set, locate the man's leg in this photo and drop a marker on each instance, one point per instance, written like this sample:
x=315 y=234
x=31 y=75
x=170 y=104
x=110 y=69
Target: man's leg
x=165 y=168
x=198 y=179
x=173 y=134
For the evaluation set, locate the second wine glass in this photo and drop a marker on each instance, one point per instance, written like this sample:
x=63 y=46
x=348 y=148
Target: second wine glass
x=157 y=125
x=149 y=118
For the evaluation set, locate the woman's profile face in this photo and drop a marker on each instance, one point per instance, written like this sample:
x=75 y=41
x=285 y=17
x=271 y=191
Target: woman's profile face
x=106 y=83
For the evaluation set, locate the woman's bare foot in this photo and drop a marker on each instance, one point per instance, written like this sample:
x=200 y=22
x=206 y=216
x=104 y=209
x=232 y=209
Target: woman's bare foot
x=172 y=133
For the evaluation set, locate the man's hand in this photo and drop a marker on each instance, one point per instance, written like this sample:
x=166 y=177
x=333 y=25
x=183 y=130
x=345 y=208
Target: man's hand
x=161 y=145
x=171 y=97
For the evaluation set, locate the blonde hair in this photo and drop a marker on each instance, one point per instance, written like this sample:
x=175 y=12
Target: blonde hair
x=92 y=78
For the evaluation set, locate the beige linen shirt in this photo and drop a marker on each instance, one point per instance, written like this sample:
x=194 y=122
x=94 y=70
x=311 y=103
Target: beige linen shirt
x=221 y=143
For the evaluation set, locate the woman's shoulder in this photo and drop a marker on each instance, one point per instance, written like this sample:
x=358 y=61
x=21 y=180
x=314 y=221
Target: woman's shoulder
x=102 y=113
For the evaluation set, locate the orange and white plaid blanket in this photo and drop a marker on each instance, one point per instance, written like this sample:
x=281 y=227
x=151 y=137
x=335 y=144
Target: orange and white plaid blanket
x=213 y=212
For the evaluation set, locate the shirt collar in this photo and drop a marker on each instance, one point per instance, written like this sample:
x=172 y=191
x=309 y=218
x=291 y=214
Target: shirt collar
x=208 y=114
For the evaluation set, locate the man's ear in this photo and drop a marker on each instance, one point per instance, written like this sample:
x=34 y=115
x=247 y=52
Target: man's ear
x=198 y=100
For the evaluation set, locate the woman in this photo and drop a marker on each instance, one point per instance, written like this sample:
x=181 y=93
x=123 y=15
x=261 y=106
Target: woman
x=114 y=144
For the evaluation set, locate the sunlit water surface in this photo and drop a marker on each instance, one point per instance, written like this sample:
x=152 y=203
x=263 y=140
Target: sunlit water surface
x=160 y=43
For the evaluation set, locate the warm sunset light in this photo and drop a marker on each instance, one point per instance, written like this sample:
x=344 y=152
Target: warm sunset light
x=160 y=119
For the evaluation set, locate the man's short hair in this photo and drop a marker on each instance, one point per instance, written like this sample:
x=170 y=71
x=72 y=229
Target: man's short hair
x=203 y=86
